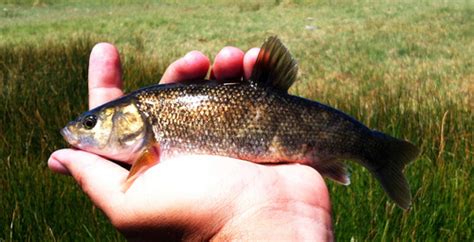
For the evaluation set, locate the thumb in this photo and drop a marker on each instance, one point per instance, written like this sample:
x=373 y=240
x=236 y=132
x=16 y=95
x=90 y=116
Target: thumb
x=99 y=178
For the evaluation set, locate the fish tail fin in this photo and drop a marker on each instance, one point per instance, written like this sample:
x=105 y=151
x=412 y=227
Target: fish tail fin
x=390 y=159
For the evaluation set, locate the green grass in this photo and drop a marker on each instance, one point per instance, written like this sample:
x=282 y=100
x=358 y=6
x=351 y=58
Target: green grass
x=403 y=67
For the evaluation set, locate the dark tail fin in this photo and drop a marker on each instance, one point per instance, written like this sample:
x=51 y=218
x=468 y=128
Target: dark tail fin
x=389 y=160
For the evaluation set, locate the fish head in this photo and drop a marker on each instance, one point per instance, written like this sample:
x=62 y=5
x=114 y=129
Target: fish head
x=115 y=130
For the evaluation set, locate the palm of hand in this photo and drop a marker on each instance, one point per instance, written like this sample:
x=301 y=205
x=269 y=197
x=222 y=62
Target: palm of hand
x=202 y=190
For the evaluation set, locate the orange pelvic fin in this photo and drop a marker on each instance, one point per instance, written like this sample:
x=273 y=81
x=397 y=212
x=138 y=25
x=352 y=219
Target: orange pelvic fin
x=147 y=159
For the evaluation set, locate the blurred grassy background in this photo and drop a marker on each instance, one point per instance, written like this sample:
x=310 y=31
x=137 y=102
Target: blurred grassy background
x=403 y=67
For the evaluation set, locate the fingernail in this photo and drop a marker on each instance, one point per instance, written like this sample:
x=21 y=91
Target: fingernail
x=56 y=166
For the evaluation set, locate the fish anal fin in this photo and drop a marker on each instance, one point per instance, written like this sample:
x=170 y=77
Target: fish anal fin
x=333 y=169
x=275 y=66
x=147 y=159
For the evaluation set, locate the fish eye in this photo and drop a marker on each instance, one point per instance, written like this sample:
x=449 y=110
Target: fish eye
x=89 y=121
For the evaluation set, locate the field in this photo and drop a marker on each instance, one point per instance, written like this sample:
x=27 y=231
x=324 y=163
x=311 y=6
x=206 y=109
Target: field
x=402 y=67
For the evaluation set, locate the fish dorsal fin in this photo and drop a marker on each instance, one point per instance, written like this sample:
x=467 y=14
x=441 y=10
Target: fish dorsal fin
x=275 y=66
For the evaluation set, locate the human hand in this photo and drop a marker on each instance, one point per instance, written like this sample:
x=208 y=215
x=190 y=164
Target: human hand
x=198 y=197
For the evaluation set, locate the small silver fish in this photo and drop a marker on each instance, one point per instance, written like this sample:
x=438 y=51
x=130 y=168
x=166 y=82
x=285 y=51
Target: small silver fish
x=255 y=120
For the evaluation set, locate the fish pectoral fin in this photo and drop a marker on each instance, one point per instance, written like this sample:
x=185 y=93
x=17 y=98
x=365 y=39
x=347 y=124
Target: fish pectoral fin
x=335 y=170
x=275 y=66
x=147 y=159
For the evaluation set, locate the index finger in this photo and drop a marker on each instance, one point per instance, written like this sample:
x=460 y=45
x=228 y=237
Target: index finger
x=105 y=75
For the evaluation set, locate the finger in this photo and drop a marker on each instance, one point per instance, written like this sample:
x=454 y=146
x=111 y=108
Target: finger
x=194 y=65
x=105 y=74
x=228 y=64
x=99 y=178
x=249 y=61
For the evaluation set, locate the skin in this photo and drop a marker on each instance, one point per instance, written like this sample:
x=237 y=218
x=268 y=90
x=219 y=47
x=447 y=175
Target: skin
x=198 y=197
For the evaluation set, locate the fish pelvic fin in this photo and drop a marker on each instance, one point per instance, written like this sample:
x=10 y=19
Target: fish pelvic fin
x=147 y=159
x=275 y=66
x=392 y=158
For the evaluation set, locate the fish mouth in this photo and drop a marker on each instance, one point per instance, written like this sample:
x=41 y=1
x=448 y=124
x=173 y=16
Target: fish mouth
x=67 y=135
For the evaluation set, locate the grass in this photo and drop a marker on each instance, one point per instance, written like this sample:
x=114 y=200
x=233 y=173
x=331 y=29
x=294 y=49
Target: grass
x=402 y=67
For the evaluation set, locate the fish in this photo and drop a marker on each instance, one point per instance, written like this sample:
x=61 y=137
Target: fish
x=253 y=119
